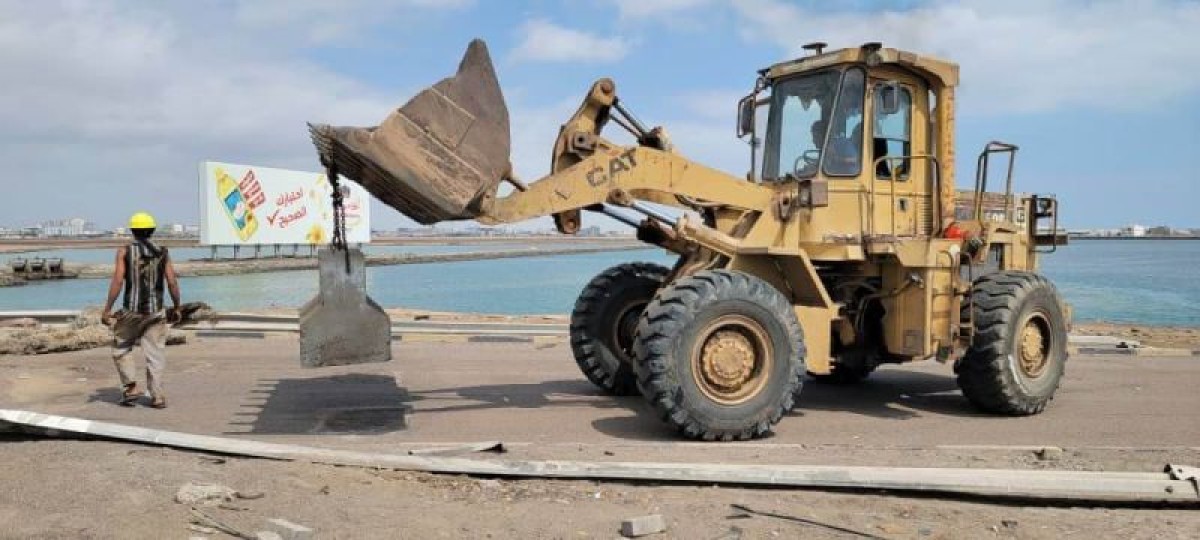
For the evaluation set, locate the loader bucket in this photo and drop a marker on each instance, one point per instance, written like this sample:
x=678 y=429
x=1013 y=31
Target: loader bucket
x=434 y=158
x=342 y=325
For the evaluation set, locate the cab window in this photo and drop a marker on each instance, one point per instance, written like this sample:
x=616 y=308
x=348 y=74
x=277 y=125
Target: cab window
x=796 y=128
x=892 y=133
x=843 y=149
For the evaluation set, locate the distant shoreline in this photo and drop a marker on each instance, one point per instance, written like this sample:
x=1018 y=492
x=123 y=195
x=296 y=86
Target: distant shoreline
x=21 y=245
x=224 y=267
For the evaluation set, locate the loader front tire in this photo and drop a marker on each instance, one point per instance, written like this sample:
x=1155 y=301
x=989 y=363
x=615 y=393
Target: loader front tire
x=720 y=355
x=604 y=320
x=1019 y=351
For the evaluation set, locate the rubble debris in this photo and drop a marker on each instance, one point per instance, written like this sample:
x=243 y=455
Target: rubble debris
x=643 y=525
x=204 y=494
x=288 y=530
x=268 y=535
x=23 y=322
x=44 y=340
x=806 y=521
x=496 y=447
x=176 y=338
x=86 y=332
x=1049 y=453
x=205 y=520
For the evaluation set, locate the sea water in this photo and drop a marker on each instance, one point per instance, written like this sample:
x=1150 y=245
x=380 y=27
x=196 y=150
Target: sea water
x=1148 y=282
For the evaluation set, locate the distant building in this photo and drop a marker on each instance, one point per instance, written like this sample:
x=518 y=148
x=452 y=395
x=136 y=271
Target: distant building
x=1134 y=230
x=66 y=227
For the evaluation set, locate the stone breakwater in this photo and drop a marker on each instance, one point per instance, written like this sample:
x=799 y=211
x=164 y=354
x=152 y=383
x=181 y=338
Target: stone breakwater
x=251 y=266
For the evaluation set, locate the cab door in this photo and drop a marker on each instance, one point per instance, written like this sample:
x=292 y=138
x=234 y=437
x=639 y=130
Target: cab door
x=898 y=184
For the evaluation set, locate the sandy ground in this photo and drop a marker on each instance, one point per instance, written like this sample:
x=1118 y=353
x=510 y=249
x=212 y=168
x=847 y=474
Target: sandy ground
x=15 y=340
x=112 y=490
x=1112 y=413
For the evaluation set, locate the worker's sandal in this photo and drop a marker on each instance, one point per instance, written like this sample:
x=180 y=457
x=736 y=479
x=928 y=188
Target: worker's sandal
x=130 y=395
x=159 y=402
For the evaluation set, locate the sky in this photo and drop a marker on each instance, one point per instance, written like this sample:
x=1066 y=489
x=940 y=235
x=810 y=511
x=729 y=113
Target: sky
x=108 y=106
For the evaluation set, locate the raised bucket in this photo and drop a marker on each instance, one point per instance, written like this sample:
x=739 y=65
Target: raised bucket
x=434 y=158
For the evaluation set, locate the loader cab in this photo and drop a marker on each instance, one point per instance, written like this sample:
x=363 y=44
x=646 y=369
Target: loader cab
x=856 y=126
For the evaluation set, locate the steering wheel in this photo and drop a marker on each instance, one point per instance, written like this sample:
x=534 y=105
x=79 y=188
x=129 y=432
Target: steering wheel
x=810 y=159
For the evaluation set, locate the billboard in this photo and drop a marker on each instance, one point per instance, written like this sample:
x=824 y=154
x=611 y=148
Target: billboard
x=249 y=205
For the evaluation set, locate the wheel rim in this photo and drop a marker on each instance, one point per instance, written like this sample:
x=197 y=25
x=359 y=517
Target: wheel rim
x=626 y=326
x=732 y=359
x=1033 y=345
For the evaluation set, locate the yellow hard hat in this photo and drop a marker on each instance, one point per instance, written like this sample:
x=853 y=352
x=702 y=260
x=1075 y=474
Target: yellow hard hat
x=141 y=220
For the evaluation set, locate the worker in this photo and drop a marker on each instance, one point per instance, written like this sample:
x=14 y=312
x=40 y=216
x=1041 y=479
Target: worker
x=141 y=270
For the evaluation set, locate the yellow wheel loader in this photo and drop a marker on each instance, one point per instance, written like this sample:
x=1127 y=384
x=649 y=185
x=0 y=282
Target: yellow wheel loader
x=845 y=247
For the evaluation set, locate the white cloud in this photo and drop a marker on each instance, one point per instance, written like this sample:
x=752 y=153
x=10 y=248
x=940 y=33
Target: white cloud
x=111 y=108
x=545 y=41
x=1021 y=56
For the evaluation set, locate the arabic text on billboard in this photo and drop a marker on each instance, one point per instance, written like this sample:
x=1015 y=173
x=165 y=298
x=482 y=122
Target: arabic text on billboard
x=248 y=205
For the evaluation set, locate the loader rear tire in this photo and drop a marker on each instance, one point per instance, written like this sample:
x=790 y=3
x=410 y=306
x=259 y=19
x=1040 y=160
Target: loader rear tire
x=604 y=320
x=720 y=355
x=1019 y=350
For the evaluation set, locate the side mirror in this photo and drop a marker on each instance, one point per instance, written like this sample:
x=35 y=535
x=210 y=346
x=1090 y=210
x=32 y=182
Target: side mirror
x=888 y=98
x=746 y=107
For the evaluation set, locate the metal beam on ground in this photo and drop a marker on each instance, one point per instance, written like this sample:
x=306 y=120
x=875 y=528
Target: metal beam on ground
x=1176 y=485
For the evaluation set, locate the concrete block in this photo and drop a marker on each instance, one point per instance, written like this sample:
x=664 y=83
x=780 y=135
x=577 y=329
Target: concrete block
x=288 y=530
x=642 y=526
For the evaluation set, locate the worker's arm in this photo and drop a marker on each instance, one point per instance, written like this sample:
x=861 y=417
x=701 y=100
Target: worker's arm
x=114 y=286
x=172 y=282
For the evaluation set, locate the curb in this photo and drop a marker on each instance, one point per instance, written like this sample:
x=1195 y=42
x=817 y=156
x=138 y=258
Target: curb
x=1139 y=351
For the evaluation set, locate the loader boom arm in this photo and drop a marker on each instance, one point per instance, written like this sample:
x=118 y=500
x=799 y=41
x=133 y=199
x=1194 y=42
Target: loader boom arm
x=588 y=170
x=643 y=173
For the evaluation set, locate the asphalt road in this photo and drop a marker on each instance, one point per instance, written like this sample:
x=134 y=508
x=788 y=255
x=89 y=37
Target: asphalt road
x=532 y=397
